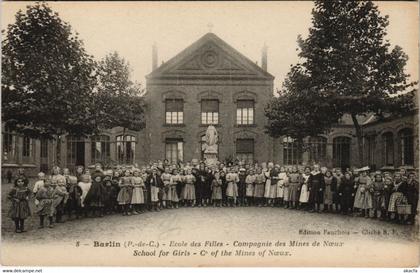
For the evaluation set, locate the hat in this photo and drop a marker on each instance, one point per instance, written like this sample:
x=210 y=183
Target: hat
x=242 y=170
x=97 y=174
x=364 y=169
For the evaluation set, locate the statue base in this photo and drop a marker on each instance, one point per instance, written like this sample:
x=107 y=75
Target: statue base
x=210 y=159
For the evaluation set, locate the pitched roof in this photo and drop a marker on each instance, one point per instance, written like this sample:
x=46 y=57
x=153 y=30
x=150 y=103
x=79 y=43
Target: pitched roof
x=210 y=56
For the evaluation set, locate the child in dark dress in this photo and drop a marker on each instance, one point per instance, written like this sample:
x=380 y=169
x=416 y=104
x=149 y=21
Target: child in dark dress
x=115 y=190
x=108 y=193
x=73 y=204
x=94 y=197
x=346 y=193
x=19 y=209
x=412 y=196
x=224 y=186
x=316 y=186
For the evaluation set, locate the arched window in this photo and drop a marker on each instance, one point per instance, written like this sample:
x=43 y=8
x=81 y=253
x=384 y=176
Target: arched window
x=341 y=152
x=406 y=146
x=100 y=148
x=174 y=150
x=292 y=155
x=174 y=111
x=9 y=146
x=388 y=148
x=371 y=147
x=28 y=150
x=317 y=149
x=209 y=111
x=126 y=148
x=245 y=112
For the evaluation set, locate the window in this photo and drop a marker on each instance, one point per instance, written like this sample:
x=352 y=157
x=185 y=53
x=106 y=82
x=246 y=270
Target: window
x=406 y=146
x=27 y=150
x=174 y=150
x=209 y=112
x=292 y=155
x=100 y=149
x=174 y=111
x=341 y=152
x=371 y=146
x=126 y=147
x=317 y=149
x=388 y=141
x=245 y=112
x=75 y=151
x=9 y=146
x=44 y=148
x=44 y=155
x=245 y=150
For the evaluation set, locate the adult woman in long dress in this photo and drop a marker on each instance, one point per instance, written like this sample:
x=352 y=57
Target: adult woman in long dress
x=363 y=198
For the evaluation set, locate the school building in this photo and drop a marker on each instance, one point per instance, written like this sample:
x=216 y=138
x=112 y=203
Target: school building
x=209 y=82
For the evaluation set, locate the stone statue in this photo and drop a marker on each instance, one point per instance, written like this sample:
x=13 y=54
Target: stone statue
x=211 y=140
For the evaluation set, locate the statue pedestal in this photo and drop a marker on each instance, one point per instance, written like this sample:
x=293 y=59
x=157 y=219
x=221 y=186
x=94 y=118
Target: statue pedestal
x=210 y=158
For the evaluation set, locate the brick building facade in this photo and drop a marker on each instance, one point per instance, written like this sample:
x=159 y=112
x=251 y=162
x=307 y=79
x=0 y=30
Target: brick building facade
x=208 y=83
x=211 y=83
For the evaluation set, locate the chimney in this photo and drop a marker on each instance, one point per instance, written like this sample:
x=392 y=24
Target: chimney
x=154 y=56
x=264 y=58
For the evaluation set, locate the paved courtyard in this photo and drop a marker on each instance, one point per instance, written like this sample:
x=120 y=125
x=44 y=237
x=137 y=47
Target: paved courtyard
x=219 y=224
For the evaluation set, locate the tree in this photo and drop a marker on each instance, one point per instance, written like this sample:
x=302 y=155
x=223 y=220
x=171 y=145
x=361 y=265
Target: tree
x=298 y=111
x=118 y=101
x=351 y=65
x=47 y=77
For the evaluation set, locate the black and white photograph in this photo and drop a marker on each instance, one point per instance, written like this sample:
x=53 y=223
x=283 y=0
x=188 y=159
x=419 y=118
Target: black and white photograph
x=210 y=134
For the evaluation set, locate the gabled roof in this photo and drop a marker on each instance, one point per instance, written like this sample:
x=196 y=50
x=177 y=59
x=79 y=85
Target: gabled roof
x=210 y=57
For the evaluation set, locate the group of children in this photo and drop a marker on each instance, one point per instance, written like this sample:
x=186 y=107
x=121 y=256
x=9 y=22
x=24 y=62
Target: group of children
x=130 y=190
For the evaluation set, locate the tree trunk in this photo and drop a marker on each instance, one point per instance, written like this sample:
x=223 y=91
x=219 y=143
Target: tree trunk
x=359 y=136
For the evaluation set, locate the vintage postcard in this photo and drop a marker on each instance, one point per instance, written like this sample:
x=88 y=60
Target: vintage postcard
x=210 y=134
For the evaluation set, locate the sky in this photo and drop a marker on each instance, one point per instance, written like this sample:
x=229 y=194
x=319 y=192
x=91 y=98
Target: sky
x=131 y=28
